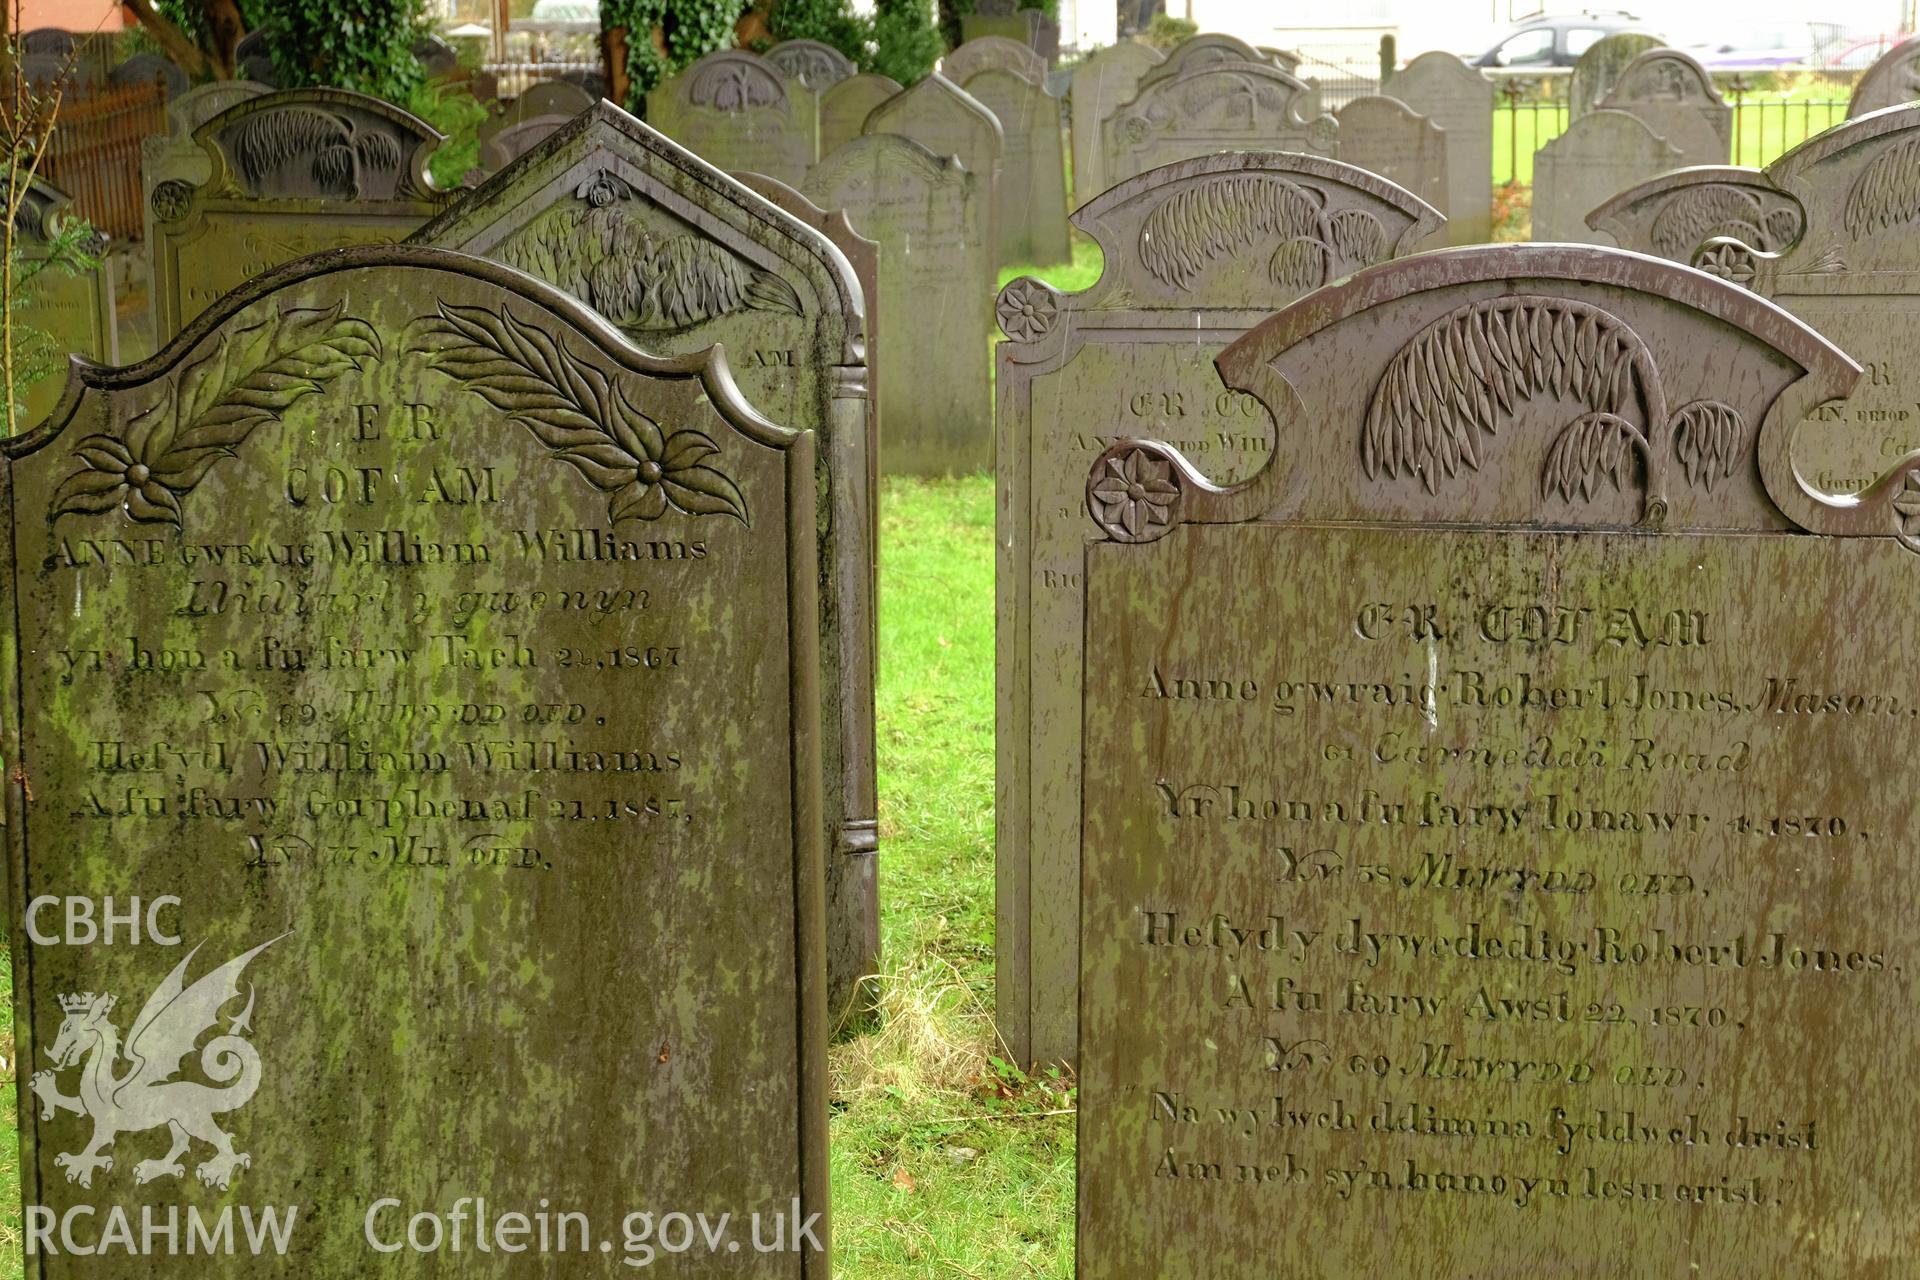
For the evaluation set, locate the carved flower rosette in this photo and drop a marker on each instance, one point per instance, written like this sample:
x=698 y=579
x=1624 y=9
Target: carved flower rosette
x=581 y=415
x=1133 y=495
x=1027 y=310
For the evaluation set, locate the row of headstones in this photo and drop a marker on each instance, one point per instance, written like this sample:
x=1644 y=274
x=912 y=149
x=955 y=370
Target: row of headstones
x=610 y=541
x=49 y=54
x=1637 y=110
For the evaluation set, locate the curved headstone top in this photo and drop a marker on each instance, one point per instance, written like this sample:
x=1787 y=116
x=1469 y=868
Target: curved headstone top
x=1240 y=229
x=1676 y=97
x=1672 y=215
x=145 y=68
x=1601 y=153
x=1599 y=67
x=203 y=102
x=936 y=112
x=733 y=80
x=54 y=42
x=319 y=144
x=738 y=111
x=552 y=98
x=817 y=65
x=844 y=107
x=1211 y=49
x=993 y=52
x=1892 y=80
x=1701 y=382
x=1219 y=106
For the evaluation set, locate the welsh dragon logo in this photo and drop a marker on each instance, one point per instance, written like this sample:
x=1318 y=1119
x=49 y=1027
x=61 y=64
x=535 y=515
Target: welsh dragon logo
x=146 y=1095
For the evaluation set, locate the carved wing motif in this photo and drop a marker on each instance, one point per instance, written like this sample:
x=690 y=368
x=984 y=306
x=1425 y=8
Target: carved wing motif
x=1227 y=215
x=1887 y=193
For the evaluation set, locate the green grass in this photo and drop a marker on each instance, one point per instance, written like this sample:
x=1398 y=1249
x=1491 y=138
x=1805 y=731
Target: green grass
x=1067 y=277
x=944 y=1162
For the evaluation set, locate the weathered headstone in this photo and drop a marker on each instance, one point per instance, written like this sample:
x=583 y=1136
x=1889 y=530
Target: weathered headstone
x=174 y=156
x=252 y=59
x=553 y=98
x=1672 y=215
x=1194 y=254
x=527 y=121
x=76 y=312
x=1459 y=99
x=814 y=64
x=736 y=110
x=1386 y=136
x=1032 y=214
x=949 y=121
x=1486 y=851
x=439 y=716
x=1002 y=19
x=863 y=255
x=1593 y=76
x=1209 y=50
x=844 y=108
x=679 y=256
x=1105 y=81
x=1831 y=232
x=288 y=174
x=929 y=216
x=1216 y=106
x=975 y=56
x=1675 y=97
x=147 y=68
x=1600 y=153
x=1891 y=81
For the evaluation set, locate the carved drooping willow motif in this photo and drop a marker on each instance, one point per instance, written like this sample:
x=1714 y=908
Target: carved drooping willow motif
x=337 y=151
x=1448 y=392
x=603 y=252
x=1887 y=192
x=1228 y=215
x=582 y=416
x=209 y=409
x=1701 y=213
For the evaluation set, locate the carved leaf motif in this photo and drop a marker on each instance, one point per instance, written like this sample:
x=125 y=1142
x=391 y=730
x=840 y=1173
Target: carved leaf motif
x=580 y=415
x=1357 y=237
x=1299 y=265
x=248 y=380
x=1217 y=219
x=337 y=153
x=1460 y=377
x=1887 y=194
x=1593 y=447
x=1709 y=439
x=1710 y=209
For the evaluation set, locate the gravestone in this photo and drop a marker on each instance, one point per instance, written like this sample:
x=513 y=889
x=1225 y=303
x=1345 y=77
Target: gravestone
x=816 y=65
x=1032 y=214
x=1194 y=255
x=1105 y=80
x=970 y=59
x=678 y=256
x=75 y=313
x=553 y=98
x=1209 y=50
x=1675 y=97
x=1448 y=882
x=1672 y=215
x=1216 y=106
x=863 y=255
x=929 y=215
x=174 y=156
x=844 y=108
x=1891 y=81
x=485 y=836
x=1600 y=153
x=1593 y=76
x=1831 y=232
x=146 y=68
x=1387 y=137
x=1459 y=99
x=949 y=121
x=288 y=174
x=253 y=60
x=737 y=111
x=1002 y=19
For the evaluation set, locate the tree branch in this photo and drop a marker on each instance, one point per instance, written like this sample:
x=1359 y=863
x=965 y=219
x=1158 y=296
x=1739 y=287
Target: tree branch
x=188 y=55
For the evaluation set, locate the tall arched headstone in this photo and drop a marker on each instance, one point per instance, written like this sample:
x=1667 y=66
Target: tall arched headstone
x=1676 y=98
x=679 y=256
x=844 y=108
x=1594 y=74
x=1385 y=136
x=929 y=216
x=1032 y=213
x=1382 y=745
x=1193 y=254
x=288 y=174
x=1459 y=99
x=486 y=829
x=949 y=121
x=737 y=111
x=1103 y=82
x=1215 y=106
x=1600 y=153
